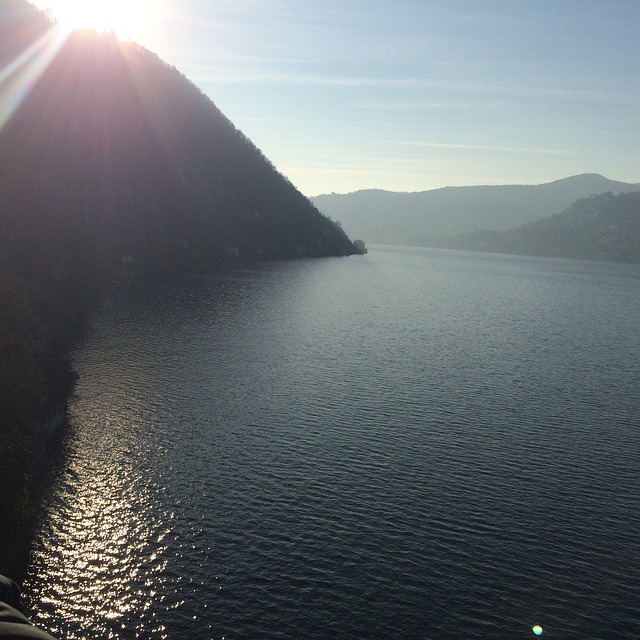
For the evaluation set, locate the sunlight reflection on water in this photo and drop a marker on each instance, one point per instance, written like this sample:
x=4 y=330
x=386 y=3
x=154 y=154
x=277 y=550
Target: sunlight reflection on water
x=108 y=531
x=356 y=448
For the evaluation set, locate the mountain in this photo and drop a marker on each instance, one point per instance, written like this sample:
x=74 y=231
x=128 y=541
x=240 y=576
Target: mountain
x=601 y=227
x=115 y=153
x=427 y=217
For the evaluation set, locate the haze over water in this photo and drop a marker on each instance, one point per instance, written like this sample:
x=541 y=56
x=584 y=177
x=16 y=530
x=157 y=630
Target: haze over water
x=409 y=444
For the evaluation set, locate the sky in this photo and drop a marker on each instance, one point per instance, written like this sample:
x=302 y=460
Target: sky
x=410 y=95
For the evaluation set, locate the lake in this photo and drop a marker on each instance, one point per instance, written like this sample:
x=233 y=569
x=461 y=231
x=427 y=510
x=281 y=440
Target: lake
x=415 y=443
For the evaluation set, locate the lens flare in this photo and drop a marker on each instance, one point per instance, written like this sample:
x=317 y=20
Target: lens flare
x=20 y=75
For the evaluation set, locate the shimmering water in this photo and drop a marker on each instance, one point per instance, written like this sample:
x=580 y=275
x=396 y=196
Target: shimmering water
x=408 y=444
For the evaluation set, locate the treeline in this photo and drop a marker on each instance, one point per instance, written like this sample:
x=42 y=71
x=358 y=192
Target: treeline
x=601 y=227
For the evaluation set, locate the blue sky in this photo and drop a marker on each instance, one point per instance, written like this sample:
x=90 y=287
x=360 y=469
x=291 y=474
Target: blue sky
x=409 y=95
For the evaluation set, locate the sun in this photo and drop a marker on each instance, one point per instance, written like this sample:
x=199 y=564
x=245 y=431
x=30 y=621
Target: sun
x=128 y=19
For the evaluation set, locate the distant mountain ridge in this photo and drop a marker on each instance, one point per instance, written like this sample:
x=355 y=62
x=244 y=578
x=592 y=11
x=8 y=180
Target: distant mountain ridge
x=426 y=218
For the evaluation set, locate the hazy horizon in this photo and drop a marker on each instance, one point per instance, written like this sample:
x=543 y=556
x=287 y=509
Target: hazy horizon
x=462 y=186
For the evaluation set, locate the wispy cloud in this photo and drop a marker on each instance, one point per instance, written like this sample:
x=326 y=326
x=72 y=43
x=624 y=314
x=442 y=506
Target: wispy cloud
x=479 y=147
x=257 y=76
x=452 y=93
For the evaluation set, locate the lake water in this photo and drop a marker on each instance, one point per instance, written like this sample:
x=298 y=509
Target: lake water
x=409 y=444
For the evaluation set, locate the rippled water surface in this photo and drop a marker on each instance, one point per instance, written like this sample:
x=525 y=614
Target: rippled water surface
x=408 y=444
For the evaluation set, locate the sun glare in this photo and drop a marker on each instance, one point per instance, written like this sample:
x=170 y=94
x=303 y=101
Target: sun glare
x=128 y=19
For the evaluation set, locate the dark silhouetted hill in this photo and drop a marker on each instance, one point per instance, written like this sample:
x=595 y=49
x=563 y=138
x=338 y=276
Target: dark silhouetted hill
x=425 y=218
x=601 y=227
x=114 y=153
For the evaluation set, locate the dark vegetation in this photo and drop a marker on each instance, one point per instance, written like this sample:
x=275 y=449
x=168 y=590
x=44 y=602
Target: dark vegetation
x=114 y=153
x=35 y=375
x=602 y=227
x=112 y=166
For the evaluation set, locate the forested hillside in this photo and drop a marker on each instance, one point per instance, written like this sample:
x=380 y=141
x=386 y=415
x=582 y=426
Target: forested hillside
x=114 y=153
x=602 y=227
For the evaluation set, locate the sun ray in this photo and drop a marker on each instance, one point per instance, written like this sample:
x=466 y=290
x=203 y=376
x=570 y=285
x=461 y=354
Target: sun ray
x=21 y=74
